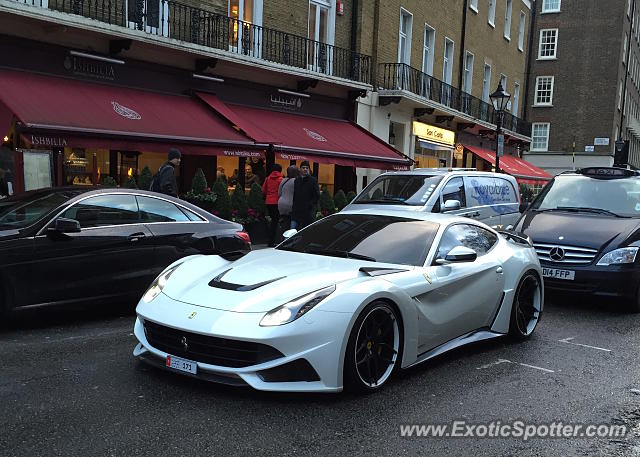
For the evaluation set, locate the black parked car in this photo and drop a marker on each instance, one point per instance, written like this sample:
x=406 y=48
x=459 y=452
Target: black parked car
x=585 y=226
x=69 y=245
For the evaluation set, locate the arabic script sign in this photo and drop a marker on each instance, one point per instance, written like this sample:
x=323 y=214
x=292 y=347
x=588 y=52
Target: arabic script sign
x=125 y=112
x=289 y=103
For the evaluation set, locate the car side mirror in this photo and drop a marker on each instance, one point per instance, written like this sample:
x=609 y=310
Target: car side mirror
x=64 y=225
x=523 y=207
x=289 y=233
x=451 y=205
x=458 y=254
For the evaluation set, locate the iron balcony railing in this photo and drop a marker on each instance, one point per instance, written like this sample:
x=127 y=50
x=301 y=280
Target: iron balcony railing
x=399 y=76
x=172 y=19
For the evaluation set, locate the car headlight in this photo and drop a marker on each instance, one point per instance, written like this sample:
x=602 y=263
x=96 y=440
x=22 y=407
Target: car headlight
x=289 y=312
x=158 y=284
x=619 y=256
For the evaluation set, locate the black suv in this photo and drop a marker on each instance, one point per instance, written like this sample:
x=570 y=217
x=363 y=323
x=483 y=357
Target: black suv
x=585 y=227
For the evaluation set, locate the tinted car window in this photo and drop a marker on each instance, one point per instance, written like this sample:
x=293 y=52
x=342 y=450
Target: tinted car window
x=384 y=238
x=454 y=190
x=156 y=210
x=469 y=236
x=104 y=210
x=574 y=192
x=405 y=189
x=20 y=212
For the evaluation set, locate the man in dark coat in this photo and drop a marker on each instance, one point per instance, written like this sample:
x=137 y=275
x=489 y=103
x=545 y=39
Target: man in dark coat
x=305 y=197
x=167 y=176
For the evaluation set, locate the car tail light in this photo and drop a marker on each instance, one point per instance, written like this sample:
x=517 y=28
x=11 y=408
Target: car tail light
x=244 y=236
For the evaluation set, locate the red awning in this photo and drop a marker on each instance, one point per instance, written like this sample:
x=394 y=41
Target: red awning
x=97 y=115
x=518 y=168
x=300 y=137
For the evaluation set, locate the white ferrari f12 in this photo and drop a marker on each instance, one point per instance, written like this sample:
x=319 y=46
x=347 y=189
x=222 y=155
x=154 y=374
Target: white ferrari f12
x=343 y=303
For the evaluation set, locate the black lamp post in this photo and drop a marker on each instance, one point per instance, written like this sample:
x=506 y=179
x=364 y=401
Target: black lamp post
x=500 y=98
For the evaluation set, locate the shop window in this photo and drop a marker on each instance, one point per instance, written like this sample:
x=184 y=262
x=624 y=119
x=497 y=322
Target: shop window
x=128 y=166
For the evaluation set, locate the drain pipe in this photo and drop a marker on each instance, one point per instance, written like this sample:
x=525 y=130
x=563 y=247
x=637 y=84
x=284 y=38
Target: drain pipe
x=462 y=44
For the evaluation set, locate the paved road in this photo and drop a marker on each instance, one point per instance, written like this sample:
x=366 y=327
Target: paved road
x=70 y=387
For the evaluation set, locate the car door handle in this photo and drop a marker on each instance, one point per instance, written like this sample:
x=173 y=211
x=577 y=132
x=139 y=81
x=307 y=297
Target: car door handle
x=499 y=270
x=136 y=236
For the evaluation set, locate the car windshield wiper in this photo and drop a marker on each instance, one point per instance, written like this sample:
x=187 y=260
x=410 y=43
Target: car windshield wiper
x=387 y=200
x=584 y=209
x=338 y=253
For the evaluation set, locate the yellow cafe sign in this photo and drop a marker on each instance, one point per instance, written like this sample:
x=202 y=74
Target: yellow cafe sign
x=434 y=134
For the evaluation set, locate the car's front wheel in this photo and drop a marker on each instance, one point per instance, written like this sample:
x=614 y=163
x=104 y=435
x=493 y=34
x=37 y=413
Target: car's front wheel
x=527 y=306
x=634 y=303
x=373 y=349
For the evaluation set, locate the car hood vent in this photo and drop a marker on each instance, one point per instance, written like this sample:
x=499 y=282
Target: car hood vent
x=218 y=283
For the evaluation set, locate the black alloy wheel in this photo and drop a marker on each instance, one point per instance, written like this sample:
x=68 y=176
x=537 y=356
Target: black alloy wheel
x=373 y=349
x=527 y=306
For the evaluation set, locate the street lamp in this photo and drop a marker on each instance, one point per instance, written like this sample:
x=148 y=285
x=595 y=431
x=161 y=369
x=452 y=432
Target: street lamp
x=500 y=99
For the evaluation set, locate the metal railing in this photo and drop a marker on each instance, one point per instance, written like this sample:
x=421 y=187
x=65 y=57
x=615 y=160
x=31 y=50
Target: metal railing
x=182 y=22
x=399 y=76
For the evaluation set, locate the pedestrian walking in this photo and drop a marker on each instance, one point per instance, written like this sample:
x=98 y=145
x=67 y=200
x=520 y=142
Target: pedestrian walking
x=305 y=197
x=165 y=180
x=285 y=197
x=270 y=192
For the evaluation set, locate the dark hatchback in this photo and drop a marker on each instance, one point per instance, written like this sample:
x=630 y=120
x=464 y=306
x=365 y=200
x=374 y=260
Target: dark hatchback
x=585 y=227
x=70 y=245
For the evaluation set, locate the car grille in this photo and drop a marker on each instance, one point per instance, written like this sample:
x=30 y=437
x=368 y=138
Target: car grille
x=208 y=349
x=555 y=253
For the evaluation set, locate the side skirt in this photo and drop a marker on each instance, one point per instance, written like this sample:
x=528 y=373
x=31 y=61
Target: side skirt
x=471 y=337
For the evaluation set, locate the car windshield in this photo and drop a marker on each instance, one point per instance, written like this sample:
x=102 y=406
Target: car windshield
x=613 y=197
x=386 y=239
x=399 y=189
x=20 y=212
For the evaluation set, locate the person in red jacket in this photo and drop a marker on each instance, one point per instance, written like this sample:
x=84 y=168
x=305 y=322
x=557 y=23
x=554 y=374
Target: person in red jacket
x=270 y=192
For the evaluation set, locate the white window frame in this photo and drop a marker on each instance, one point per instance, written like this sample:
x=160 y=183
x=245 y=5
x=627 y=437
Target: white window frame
x=473 y=5
x=546 y=138
x=546 y=9
x=507 y=19
x=406 y=59
x=492 y=13
x=629 y=8
x=555 y=45
x=516 y=99
x=467 y=81
x=620 y=96
x=447 y=70
x=330 y=5
x=428 y=49
x=523 y=21
x=503 y=81
x=256 y=31
x=163 y=17
x=539 y=80
x=624 y=48
x=486 y=83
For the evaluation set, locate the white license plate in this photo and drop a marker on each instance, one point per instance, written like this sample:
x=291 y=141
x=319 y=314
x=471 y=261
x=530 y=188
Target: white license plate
x=182 y=364
x=556 y=273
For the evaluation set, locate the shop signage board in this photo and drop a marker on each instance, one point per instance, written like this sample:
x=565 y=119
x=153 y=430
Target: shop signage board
x=601 y=141
x=500 y=145
x=589 y=148
x=434 y=134
x=37 y=169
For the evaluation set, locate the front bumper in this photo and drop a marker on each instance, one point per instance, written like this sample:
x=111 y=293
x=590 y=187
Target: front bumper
x=609 y=281
x=314 y=342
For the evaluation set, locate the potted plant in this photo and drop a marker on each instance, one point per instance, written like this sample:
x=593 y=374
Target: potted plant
x=350 y=196
x=340 y=200
x=200 y=193
x=326 y=204
x=256 y=224
x=239 y=208
x=222 y=206
x=144 y=181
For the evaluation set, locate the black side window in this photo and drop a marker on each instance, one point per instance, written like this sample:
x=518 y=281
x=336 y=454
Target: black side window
x=104 y=210
x=454 y=190
x=467 y=235
x=157 y=210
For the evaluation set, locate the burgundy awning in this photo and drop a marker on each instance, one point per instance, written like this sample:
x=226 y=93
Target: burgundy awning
x=84 y=114
x=522 y=170
x=300 y=137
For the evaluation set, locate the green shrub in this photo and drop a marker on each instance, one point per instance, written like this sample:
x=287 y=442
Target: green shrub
x=239 y=205
x=199 y=182
x=144 y=181
x=350 y=196
x=526 y=193
x=255 y=202
x=340 y=200
x=131 y=183
x=326 y=203
x=108 y=181
x=222 y=205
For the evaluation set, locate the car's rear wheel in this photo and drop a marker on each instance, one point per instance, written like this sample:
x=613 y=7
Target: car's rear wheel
x=373 y=349
x=527 y=306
